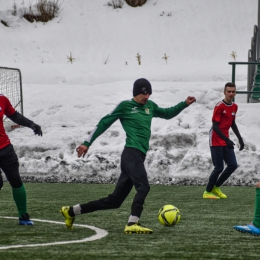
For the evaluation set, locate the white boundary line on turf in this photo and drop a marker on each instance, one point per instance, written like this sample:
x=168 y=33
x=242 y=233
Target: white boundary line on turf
x=100 y=233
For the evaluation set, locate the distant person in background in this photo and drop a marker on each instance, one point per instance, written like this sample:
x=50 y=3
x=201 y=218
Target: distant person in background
x=254 y=227
x=9 y=161
x=135 y=116
x=221 y=147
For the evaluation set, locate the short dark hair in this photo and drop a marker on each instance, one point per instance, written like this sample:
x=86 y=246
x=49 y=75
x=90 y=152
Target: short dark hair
x=230 y=84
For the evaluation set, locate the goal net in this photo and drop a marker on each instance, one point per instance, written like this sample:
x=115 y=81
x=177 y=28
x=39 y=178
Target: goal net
x=11 y=87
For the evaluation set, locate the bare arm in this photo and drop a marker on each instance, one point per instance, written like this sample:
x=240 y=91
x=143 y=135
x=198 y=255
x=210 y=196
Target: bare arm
x=82 y=150
x=189 y=100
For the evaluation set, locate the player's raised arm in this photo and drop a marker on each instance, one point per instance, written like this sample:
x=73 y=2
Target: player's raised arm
x=189 y=100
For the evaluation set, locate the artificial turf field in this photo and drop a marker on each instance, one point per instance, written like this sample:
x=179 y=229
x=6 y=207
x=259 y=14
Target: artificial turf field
x=204 y=232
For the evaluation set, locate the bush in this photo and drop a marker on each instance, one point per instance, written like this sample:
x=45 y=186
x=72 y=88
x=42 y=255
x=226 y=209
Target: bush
x=116 y=3
x=4 y=23
x=44 y=11
x=135 y=3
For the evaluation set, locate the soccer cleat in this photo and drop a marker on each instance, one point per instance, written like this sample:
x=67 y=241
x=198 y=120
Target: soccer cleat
x=25 y=220
x=68 y=219
x=137 y=228
x=210 y=195
x=217 y=191
x=250 y=229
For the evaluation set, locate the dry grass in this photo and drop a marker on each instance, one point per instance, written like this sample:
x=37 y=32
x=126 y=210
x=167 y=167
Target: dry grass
x=116 y=3
x=43 y=11
x=4 y=23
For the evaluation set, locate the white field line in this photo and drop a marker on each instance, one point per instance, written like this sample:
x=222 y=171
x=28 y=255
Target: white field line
x=100 y=233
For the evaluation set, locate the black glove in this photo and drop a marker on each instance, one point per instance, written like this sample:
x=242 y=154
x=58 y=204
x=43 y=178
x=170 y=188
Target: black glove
x=242 y=145
x=230 y=144
x=36 y=129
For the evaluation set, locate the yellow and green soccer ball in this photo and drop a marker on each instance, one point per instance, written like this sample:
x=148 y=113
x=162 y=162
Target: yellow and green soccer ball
x=169 y=215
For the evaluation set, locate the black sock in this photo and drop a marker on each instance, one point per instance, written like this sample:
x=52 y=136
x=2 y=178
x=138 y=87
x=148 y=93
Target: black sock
x=71 y=212
x=131 y=223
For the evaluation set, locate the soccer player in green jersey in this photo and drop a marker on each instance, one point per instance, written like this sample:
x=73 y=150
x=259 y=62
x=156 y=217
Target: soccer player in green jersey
x=135 y=116
x=254 y=227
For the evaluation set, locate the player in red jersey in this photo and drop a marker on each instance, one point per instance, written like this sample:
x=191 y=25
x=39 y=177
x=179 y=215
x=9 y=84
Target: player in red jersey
x=221 y=147
x=9 y=161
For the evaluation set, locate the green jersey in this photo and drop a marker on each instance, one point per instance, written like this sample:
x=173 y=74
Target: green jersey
x=136 y=120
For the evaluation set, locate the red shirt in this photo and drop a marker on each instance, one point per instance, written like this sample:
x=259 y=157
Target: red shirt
x=5 y=109
x=224 y=114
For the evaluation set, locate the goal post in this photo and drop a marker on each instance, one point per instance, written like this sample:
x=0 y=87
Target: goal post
x=11 y=87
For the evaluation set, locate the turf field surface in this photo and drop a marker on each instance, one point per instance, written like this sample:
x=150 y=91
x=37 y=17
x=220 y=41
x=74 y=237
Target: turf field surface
x=204 y=232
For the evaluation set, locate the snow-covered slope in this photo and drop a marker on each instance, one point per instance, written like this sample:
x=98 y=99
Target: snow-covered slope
x=67 y=100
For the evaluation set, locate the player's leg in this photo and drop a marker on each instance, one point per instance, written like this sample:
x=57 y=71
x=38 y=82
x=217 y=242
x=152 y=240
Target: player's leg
x=112 y=201
x=230 y=160
x=137 y=173
x=1 y=180
x=254 y=227
x=217 y=159
x=133 y=164
x=10 y=166
x=256 y=220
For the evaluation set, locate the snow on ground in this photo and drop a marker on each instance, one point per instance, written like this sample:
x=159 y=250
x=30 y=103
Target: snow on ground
x=68 y=100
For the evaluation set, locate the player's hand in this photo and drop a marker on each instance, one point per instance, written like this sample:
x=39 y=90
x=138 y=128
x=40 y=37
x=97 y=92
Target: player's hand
x=242 y=145
x=230 y=144
x=189 y=100
x=82 y=150
x=36 y=129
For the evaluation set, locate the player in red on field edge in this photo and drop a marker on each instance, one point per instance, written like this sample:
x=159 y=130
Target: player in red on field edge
x=221 y=147
x=9 y=161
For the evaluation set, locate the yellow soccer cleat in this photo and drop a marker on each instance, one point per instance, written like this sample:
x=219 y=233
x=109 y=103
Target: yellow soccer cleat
x=137 y=228
x=210 y=195
x=217 y=191
x=68 y=219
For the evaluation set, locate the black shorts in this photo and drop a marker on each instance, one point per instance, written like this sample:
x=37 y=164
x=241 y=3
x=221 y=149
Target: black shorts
x=10 y=166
